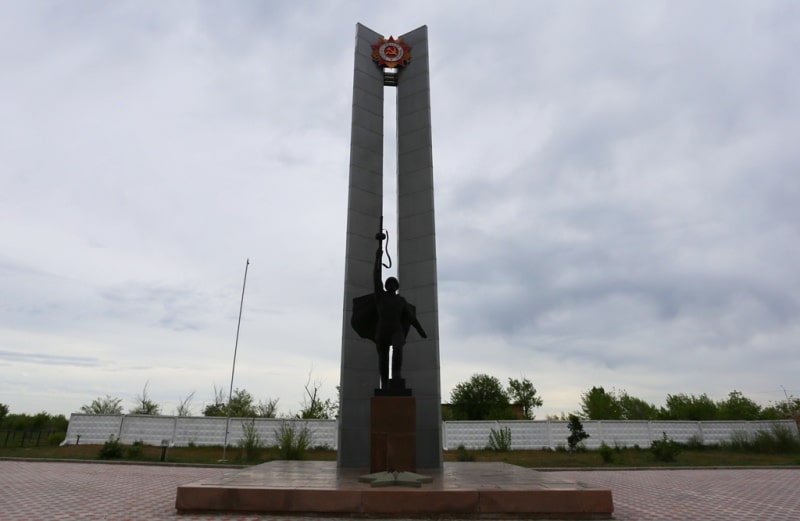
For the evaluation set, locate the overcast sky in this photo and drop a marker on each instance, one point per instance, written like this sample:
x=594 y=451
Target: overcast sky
x=617 y=196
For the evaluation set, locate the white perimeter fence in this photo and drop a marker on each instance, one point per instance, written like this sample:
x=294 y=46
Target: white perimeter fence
x=536 y=434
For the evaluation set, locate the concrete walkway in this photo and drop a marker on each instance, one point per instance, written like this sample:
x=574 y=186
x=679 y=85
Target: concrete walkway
x=31 y=490
x=707 y=495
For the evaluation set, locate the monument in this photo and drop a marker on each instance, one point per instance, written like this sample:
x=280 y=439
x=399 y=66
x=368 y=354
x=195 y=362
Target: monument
x=382 y=63
x=392 y=439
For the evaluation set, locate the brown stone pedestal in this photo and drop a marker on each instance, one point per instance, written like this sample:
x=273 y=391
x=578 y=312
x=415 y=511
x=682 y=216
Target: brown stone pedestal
x=393 y=427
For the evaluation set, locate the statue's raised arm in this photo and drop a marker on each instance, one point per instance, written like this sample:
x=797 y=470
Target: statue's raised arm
x=385 y=318
x=377 y=280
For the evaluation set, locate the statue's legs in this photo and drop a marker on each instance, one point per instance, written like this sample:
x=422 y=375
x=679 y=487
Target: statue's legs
x=383 y=365
x=397 y=362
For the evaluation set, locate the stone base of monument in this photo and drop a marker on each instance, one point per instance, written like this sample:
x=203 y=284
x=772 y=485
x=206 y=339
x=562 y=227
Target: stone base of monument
x=393 y=434
x=468 y=489
x=397 y=387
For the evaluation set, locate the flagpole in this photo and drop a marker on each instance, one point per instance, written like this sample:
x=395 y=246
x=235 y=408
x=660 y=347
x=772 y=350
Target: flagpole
x=233 y=368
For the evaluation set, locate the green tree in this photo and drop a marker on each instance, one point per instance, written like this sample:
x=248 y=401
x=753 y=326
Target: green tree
x=40 y=420
x=37 y=422
x=482 y=397
x=219 y=407
x=788 y=409
x=597 y=404
x=3 y=412
x=268 y=409
x=185 y=406
x=314 y=407
x=689 y=407
x=635 y=408
x=241 y=404
x=524 y=393
x=106 y=405
x=738 y=407
x=576 y=432
x=144 y=405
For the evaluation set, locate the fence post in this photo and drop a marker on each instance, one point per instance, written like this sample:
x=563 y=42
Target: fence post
x=121 y=423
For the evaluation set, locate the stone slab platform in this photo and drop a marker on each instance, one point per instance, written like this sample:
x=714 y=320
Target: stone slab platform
x=468 y=489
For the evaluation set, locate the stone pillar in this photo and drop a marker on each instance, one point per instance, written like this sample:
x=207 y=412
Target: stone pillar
x=416 y=244
x=359 y=369
x=416 y=255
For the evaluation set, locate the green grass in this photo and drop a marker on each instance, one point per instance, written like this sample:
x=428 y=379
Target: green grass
x=708 y=457
x=198 y=455
x=632 y=458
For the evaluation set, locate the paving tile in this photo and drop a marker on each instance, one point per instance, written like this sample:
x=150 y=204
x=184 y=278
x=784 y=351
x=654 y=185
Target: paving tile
x=31 y=490
x=399 y=501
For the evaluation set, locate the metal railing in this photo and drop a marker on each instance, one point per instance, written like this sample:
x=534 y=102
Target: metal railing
x=30 y=438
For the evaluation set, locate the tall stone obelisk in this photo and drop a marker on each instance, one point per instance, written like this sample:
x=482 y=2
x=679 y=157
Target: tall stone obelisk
x=416 y=244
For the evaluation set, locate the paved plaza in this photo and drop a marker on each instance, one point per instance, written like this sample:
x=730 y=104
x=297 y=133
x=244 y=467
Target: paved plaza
x=32 y=490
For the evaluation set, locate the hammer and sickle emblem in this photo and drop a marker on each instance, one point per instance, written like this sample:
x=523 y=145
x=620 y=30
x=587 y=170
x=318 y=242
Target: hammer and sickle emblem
x=391 y=51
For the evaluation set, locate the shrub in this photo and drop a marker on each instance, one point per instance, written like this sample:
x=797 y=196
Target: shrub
x=740 y=441
x=577 y=434
x=665 y=449
x=778 y=439
x=112 y=449
x=57 y=438
x=500 y=440
x=606 y=452
x=292 y=442
x=695 y=443
x=785 y=438
x=136 y=450
x=250 y=444
x=462 y=454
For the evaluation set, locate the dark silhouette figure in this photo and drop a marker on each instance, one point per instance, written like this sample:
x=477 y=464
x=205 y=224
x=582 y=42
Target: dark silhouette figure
x=394 y=317
x=385 y=318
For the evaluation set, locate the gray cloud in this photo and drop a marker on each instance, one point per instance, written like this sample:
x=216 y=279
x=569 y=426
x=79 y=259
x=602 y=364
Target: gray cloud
x=49 y=359
x=615 y=185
